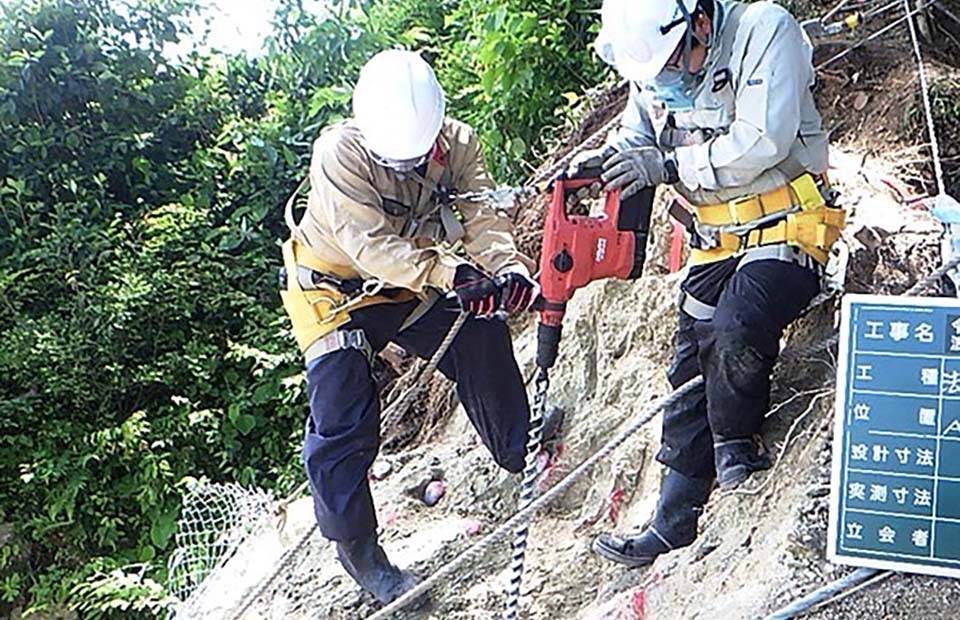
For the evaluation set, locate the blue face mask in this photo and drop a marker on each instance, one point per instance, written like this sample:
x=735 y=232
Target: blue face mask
x=674 y=89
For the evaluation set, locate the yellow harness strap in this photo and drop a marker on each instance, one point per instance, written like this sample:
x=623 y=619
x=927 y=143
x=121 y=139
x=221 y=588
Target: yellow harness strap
x=809 y=224
x=316 y=313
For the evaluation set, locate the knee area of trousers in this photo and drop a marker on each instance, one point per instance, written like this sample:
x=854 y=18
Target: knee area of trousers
x=739 y=360
x=753 y=341
x=485 y=333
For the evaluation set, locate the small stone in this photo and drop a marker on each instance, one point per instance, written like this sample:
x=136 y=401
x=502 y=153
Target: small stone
x=381 y=469
x=860 y=100
x=433 y=492
x=532 y=585
x=706 y=549
x=818 y=491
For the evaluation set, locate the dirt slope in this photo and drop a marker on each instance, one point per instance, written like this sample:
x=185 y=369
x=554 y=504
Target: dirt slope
x=758 y=549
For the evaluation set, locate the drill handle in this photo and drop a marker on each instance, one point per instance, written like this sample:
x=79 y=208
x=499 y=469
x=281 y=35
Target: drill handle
x=548 y=344
x=634 y=215
x=636 y=211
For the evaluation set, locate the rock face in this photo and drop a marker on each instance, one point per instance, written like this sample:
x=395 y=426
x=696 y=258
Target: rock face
x=758 y=548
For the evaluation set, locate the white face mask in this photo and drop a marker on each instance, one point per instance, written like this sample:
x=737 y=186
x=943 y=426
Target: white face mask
x=400 y=165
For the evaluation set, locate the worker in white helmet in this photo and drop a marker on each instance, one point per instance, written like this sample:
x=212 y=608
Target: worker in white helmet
x=721 y=109
x=371 y=262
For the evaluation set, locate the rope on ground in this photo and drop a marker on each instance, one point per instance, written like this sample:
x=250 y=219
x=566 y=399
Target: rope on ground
x=927 y=108
x=536 y=506
x=822 y=595
x=564 y=484
x=842 y=595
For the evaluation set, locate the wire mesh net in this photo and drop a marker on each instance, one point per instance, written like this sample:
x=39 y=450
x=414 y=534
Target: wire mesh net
x=216 y=519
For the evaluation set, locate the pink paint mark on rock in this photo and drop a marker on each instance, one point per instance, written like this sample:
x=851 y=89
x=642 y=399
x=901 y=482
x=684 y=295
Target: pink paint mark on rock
x=616 y=504
x=638 y=603
x=543 y=460
x=548 y=464
x=631 y=605
x=472 y=527
x=390 y=518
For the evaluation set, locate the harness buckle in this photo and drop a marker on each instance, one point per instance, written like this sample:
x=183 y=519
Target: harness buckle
x=340 y=340
x=707 y=235
x=353 y=339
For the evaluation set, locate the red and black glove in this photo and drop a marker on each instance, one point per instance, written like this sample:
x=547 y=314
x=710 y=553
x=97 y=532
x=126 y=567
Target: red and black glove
x=516 y=291
x=475 y=290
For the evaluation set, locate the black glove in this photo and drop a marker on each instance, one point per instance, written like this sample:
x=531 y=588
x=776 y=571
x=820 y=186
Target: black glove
x=516 y=291
x=475 y=290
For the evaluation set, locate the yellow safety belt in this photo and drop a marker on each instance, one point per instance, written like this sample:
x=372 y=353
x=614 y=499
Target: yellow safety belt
x=807 y=222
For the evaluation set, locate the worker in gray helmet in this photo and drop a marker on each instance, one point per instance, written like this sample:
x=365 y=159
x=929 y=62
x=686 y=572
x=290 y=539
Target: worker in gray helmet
x=721 y=109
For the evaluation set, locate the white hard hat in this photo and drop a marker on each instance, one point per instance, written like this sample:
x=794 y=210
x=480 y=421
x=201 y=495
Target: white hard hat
x=639 y=36
x=398 y=105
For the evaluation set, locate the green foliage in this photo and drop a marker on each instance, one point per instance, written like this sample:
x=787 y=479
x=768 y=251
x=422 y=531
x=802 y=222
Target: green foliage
x=121 y=593
x=139 y=220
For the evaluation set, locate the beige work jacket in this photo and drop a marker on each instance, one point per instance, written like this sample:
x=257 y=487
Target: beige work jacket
x=377 y=223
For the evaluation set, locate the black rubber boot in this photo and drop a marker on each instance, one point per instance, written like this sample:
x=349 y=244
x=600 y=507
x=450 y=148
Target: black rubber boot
x=365 y=561
x=674 y=526
x=737 y=459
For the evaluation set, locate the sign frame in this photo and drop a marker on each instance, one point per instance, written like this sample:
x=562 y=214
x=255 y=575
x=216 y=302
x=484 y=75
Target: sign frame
x=844 y=388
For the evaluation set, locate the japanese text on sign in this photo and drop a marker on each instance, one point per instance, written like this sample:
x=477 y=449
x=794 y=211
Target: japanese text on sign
x=896 y=475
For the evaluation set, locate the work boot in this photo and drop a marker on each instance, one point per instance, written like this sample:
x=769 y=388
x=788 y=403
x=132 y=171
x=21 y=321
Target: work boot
x=737 y=459
x=674 y=526
x=364 y=559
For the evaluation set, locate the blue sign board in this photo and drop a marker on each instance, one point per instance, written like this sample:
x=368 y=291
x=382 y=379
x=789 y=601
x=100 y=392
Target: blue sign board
x=895 y=499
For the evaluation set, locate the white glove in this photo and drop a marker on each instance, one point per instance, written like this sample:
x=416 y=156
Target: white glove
x=634 y=169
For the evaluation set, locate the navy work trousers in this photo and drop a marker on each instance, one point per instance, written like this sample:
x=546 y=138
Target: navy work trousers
x=734 y=351
x=343 y=429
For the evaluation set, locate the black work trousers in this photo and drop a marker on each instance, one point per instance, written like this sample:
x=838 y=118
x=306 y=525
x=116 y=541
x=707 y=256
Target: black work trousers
x=734 y=351
x=343 y=429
